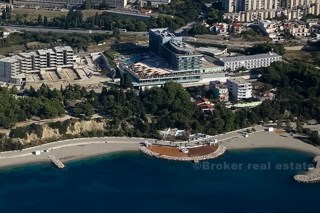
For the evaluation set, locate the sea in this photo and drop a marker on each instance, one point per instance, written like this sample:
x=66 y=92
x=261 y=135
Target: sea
x=257 y=180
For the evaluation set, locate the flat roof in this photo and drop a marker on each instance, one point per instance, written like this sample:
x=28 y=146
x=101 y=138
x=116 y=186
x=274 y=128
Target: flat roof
x=249 y=57
x=28 y=54
x=179 y=45
x=45 y=51
x=206 y=64
x=239 y=80
x=219 y=84
x=11 y=59
x=62 y=48
x=163 y=32
x=211 y=50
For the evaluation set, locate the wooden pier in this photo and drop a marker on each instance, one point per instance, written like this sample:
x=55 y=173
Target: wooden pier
x=56 y=161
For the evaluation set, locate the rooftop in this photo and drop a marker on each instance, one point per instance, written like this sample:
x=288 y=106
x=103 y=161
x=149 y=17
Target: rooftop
x=151 y=67
x=179 y=45
x=163 y=32
x=219 y=84
x=249 y=57
x=43 y=52
x=212 y=50
x=62 y=48
x=204 y=63
x=11 y=59
x=26 y=55
x=158 y=67
x=238 y=80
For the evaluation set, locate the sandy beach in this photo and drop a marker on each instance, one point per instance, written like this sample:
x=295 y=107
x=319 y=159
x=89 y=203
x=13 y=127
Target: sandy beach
x=264 y=139
x=86 y=147
x=70 y=150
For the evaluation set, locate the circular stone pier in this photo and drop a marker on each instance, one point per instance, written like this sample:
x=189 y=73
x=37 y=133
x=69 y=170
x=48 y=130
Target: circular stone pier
x=312 y=176
x=195 y=154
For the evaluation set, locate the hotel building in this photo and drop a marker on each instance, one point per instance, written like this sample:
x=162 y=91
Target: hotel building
x=239 y=88
x=11 y=67
x=172 y=60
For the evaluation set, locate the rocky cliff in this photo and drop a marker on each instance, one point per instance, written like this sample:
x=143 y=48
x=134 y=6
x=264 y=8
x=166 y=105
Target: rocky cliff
x=74 y=128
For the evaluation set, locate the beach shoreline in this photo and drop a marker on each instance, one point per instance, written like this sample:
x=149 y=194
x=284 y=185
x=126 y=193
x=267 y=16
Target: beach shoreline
x=69 y=150
x=82 y=148
x=273 y=140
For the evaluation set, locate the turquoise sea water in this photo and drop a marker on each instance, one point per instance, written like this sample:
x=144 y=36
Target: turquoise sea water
x=132 y=182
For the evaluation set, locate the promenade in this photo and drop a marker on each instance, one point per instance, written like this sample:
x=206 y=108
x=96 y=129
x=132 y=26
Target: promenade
x=77 y=148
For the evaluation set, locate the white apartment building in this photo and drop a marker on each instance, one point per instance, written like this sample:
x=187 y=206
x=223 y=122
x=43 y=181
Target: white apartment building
x=246 y=5
x=47 y=58
x=253 y=10
x=34 y=61
x=9 y=67
x=239 y=88
x=249 y=61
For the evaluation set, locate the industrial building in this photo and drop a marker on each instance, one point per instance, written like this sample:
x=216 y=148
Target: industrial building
x=12 y=67
x=239 y=88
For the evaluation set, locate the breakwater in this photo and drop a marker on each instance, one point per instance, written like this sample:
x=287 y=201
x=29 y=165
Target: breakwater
x=56 y=161
x=312 y=176
x=220 y=151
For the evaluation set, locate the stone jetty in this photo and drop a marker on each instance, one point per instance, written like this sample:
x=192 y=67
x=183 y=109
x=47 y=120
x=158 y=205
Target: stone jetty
x=56 y=161
x=312 y=176
x=220 y=151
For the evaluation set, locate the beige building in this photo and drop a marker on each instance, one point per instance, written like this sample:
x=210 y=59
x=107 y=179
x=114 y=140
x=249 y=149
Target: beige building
x=297 y=28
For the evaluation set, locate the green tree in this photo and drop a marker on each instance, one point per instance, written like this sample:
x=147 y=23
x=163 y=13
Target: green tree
x=88 y=4
x=45 y=21
x=40 y=21
x=125 y=81
x=116 y=34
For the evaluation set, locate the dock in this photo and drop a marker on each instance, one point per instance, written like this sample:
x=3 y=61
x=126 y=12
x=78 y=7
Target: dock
x=312 y=176
x=56 y=161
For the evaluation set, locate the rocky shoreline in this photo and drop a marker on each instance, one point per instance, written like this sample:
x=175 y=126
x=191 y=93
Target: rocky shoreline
x=220 y=151
x=312 y=176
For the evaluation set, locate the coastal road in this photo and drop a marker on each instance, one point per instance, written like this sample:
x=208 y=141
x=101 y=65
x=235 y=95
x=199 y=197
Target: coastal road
x=57 y=30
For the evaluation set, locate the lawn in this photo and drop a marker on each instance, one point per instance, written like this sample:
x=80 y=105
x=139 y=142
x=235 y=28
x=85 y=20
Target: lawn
x=309 y=57
x=32 y=14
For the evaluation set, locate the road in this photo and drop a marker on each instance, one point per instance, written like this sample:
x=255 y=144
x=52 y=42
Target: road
x=186 y=27
x=57 y=30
